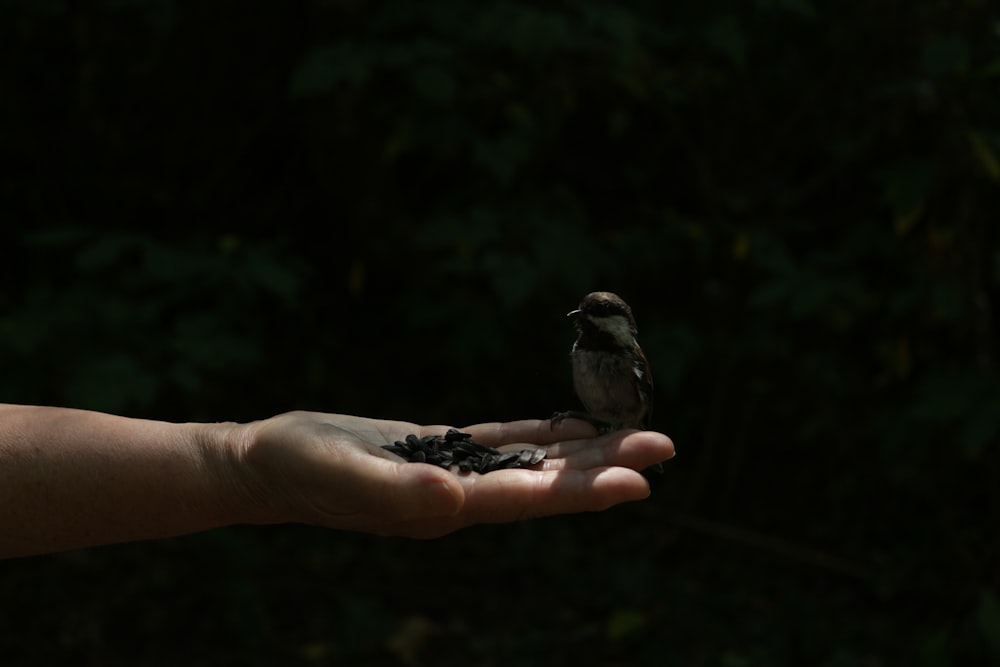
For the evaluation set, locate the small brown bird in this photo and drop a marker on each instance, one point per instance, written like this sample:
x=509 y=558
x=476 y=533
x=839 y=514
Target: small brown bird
x=610 y=372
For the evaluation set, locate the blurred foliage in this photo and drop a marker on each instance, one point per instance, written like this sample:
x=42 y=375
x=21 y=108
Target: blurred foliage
x=225 y=210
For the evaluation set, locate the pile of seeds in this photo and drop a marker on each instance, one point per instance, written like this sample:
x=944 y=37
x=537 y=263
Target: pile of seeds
x=457 y=448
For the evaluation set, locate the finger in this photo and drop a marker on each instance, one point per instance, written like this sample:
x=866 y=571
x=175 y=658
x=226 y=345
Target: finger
x=533 y=431
x=511 y=495
x=514 y=495
x=631 y=449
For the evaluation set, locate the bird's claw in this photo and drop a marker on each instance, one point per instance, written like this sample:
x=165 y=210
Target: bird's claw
x=601 y=426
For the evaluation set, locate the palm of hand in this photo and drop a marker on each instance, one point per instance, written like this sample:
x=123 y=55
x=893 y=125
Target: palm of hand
x=331 y=470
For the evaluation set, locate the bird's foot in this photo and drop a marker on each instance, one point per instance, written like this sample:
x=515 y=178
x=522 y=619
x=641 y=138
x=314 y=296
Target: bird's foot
x=601 y=426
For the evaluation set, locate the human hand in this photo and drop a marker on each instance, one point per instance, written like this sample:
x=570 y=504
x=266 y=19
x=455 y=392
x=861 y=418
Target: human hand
x=331 y=470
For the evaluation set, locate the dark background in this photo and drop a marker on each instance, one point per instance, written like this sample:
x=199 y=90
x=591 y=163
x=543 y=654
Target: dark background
x=226 y=210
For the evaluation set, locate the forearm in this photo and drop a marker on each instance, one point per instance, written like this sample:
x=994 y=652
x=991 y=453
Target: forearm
x=73 y=478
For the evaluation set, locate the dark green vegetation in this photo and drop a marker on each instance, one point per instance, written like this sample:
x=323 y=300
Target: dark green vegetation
x=225 y=210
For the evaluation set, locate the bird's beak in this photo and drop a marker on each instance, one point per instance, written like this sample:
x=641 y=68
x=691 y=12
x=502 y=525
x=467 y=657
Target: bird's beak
x=573 y=313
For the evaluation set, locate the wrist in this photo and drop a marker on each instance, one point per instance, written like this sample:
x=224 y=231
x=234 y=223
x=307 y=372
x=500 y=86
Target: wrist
x=240 y=494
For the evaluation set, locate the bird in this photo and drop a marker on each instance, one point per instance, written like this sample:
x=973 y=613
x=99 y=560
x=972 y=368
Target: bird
x=611 y=375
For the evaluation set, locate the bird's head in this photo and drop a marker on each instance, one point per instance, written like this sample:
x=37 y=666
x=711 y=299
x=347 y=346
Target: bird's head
x=607 y=314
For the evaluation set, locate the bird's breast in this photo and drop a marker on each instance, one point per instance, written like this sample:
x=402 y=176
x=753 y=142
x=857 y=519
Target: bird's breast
x=606 y=384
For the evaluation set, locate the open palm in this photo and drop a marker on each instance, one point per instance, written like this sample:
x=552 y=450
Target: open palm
x=331 y=470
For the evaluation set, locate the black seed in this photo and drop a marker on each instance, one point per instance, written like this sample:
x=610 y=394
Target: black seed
x=475 y=448
x=458 y=449
x=487 y=463
x=483 y=448
x=507 y=458
x=466 y=448
x=524 y=457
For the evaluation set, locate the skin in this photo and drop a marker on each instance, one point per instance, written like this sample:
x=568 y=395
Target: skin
x=75 y=478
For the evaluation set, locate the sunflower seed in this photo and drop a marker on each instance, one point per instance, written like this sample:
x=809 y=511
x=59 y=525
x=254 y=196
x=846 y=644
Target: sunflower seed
x=456 y=448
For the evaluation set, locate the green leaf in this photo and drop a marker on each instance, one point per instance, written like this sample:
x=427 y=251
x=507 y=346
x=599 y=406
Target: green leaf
x=326 y=67
x=434 y=84
x=906 y=185
x=946 y=55
x=616 y=21
x=946 y=302
x=811 y=295
x=505 y=155
x=625 y=623
x=988 y=618
x=727 y=36
x=944 y=398
x=982 y=428
x=103 y=252
x=803 y=8
x=769 y=294
x=528 y=31
x=513 y=278
x=984 y=148
x=935 y=650
x=271 y=275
